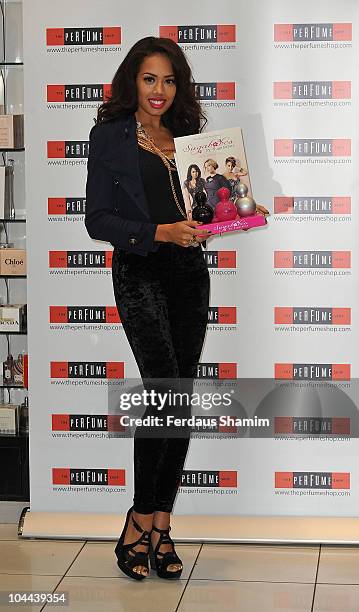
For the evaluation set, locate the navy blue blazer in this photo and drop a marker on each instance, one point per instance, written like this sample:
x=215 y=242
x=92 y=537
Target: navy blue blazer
x=116 y=205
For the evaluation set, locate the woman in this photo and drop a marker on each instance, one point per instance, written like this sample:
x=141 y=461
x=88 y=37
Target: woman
x=213 y=182
x=234 y=178
x=161 y=283
x=192 y=185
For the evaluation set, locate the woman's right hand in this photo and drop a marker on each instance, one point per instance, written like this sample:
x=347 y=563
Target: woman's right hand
x=182 y=233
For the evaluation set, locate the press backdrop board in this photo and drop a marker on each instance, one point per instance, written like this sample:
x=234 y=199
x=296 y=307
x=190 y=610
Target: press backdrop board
x=286 y=73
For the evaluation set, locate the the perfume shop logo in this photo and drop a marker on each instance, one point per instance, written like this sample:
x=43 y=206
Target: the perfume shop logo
x=312 y=147
x=88 y=476
x=83 y=36
x=312 y=259
x=312 y=426
x=312 y=32
x=87 y=423
x=199 y=34
x=78 y=93
x=215 y=91
x=222 y=315
x=214 y=425
x=87 y=369
x=67 y=149
x=220 y=259
x=312 y=480
x=311 y=90
x=312 y=371
x=80 y=259
x=312 y=205
x=66 y=206
x=311 y=315
x=84 y=314
x=214 y=371
x=209 y=478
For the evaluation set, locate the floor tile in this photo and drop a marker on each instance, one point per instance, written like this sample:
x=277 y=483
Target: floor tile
x=37 y=557
x=254 y=562
x=98 y=559
x=16 y=582
x=114 y=595
x=339 y=565
x=336 y=598
x=230 y=596
x=8 y=531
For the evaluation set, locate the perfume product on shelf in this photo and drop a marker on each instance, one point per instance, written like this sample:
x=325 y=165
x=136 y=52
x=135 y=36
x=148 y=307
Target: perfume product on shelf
x=9 y=419
x=9 y=203
x=2 y=192
x=13 y=317
x=24 y=417
x=8 y=370
x=12 y=261
x=11 y=131
x=26 y=370
x=18 y=370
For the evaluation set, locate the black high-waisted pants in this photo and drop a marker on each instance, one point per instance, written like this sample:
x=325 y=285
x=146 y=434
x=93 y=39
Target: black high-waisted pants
x=162 y=300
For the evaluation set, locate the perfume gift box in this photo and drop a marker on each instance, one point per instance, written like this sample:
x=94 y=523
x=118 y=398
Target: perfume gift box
x=9 y=419
x=12 y=261
x=11 y=131
x=13 y=317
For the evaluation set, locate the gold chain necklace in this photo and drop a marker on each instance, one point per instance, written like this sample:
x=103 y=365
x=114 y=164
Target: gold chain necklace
x=146 y=142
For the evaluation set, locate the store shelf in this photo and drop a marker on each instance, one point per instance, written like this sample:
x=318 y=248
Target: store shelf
x=11 y=63
x=16 y=333
x=13 y=276
x=2 y=386
x=12 y=150
x=13 y=220
x=17 y=436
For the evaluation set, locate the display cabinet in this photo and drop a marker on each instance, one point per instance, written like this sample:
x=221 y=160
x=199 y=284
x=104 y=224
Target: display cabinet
x=14 y=447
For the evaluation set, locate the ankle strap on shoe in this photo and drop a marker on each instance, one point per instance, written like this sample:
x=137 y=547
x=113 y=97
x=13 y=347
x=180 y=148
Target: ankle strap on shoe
x=161 y=530
x=138 y=527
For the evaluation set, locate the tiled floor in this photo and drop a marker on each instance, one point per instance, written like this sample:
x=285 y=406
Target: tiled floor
x=228 y=578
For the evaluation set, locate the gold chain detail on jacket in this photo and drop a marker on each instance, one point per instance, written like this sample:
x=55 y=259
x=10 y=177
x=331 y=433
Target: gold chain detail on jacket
x=146 y=142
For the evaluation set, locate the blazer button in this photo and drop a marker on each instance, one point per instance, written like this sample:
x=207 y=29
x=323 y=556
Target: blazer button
x=132 y=241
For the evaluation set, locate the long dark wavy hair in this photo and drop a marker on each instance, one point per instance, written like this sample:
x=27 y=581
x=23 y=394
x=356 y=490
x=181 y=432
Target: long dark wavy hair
x=189 y=175
x=184 y=116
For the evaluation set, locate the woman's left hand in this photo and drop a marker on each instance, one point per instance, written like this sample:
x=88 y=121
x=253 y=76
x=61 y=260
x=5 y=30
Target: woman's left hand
x=261 y=210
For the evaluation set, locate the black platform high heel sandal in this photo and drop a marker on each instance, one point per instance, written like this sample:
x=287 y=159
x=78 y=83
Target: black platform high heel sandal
x=127 y=556
x=160 y=561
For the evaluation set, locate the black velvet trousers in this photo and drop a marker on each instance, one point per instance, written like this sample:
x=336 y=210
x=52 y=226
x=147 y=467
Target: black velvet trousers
x=162 y=300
